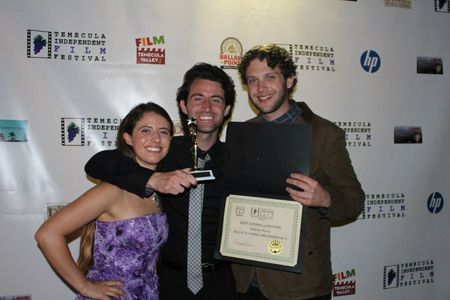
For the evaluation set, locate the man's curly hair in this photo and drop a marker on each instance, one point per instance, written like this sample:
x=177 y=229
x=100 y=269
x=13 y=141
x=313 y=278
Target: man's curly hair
x=274 y=55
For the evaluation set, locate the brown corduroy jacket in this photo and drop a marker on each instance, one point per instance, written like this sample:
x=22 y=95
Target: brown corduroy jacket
x=330 y=165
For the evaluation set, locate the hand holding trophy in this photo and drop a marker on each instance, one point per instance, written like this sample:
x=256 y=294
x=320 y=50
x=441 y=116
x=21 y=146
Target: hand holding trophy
x=199 y=173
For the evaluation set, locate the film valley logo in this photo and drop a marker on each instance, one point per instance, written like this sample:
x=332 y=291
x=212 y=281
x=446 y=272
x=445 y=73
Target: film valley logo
x=442 y=6
x=69 y=46
x=344 y=283
x=91 y=131
x=230 y=53
x=357 y=133
x=150 y=50
x=408 y=274
x=312 y=57
x=384 y=206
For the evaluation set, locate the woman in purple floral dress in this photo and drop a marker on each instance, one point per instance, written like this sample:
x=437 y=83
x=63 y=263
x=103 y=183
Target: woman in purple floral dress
x=122 y=232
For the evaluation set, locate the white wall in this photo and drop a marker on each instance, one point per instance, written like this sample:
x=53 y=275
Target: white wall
x=41 y=92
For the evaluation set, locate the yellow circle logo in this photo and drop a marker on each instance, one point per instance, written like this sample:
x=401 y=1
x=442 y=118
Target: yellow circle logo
x=275 y=247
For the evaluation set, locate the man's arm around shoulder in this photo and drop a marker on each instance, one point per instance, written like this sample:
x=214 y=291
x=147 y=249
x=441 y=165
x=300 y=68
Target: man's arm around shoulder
x=115 y=168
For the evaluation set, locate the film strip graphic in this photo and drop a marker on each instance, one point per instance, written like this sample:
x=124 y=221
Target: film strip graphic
x=34 y=37
x=391 y=277
x=442 y=6
x=72 y=132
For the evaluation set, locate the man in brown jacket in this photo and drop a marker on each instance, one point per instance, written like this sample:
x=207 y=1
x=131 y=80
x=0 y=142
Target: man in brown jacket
x=331 y=191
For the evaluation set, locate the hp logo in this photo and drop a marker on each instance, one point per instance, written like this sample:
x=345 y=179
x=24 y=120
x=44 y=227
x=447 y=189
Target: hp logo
x=370 y=61
x=435 y=202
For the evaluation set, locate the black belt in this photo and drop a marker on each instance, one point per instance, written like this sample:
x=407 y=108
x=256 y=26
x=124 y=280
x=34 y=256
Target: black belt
x=206 y=267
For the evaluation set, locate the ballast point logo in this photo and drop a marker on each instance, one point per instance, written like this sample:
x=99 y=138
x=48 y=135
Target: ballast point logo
x=230 y=53
x=150 y=50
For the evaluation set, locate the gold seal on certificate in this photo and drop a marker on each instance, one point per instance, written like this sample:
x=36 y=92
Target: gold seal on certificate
x=262 y=230
x=197 y=172
x=275 y=247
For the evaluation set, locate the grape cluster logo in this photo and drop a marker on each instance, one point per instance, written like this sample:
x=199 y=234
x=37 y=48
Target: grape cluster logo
x=150 y=50
x=391 y=277
x=68 y=46
x=370 y=61
x=72 y=132
x=39 y=44
x=442 y=6
x=230 y=53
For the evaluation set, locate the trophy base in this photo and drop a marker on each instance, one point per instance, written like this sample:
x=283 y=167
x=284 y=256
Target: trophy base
x=203 y=175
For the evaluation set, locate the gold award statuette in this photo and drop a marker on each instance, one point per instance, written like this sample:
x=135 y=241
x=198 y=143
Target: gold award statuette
x=199 y=173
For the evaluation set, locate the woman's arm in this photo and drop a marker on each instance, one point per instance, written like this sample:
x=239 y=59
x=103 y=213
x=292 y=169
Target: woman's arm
x=51 y=238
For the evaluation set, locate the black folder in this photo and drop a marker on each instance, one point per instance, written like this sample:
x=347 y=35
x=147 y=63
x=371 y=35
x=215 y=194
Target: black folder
x=259 y=159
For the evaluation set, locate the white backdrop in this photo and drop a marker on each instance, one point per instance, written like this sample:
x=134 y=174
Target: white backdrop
x=76 y=64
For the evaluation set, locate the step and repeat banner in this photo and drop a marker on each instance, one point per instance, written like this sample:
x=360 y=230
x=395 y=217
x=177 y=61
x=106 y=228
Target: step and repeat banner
x=379 y=69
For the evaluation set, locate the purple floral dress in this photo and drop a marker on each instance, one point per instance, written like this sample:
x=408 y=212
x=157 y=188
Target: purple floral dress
x=127 y=250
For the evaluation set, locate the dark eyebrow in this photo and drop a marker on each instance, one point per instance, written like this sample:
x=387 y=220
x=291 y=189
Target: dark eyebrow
x=202 y=95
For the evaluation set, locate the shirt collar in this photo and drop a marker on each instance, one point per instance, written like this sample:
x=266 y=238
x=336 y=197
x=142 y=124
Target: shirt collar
x=290 y=116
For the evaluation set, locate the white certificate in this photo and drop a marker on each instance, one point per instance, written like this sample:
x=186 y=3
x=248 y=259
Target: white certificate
x=261 y=229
